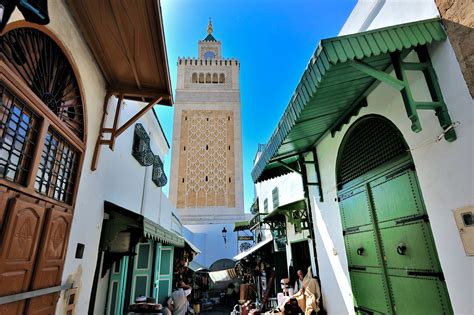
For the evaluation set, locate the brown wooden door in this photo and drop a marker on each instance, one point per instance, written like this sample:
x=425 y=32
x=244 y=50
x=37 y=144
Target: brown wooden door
x=50 y=261
x=20 y=238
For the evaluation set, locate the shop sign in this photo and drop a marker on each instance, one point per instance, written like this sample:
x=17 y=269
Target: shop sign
x=245 y=238
x=280 y=244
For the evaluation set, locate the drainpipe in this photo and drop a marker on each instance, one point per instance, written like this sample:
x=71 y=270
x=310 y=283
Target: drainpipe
x=304 y=177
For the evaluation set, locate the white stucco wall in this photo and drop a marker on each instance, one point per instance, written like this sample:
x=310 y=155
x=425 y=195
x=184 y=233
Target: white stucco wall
x=208 y=238
x=445 y=172
x=88 y=212
x=371 y=14
x=118 y=178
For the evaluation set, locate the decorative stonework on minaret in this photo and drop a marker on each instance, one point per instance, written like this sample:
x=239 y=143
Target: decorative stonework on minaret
x=206 y=164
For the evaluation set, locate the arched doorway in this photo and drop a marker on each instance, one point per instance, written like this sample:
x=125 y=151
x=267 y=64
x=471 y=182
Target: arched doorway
x=42 y=143
x=392 y=258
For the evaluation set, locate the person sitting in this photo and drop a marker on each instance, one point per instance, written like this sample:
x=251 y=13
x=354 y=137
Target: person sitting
x=180 y=298
x=168 y=306
x=308 y=296
x=299 y=282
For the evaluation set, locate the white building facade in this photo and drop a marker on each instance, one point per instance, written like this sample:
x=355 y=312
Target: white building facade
x=392 y=272
x=116 y=177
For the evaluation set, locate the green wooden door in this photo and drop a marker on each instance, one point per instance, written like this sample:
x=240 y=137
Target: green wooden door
x=393 y=263
x=117 y=284
x=363 y=251
x=142 y=270
x=164 y=256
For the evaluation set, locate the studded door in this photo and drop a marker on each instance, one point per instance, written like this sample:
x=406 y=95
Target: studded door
x=393 y=263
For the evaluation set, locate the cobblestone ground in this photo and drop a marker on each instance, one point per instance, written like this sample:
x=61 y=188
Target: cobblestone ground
x=218 y=310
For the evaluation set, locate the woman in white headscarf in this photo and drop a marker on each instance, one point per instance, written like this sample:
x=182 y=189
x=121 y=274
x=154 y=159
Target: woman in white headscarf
x=311 y=292
x=309 y=296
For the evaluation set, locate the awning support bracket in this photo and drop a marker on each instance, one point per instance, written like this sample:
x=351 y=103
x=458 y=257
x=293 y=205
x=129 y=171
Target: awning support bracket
x=378 y=74
x=116 y=131
x=400 y=83
x=287 y=166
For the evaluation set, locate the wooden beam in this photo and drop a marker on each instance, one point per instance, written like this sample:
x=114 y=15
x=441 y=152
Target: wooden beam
x=95 y=156
x=130 y=122
x=116 y=121
x=379 y=75
x=130 y=92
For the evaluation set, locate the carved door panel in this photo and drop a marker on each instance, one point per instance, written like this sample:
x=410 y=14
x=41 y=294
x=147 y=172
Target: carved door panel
x=20 y=239
x=3 y=205
x=50 y=261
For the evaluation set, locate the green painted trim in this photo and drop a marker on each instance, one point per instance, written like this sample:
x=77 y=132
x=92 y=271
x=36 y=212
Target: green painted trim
x=299 y=241
x=379 y=75
x=330 y=87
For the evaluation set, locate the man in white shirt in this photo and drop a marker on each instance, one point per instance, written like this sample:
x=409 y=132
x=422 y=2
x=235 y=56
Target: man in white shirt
x=299 y=281
x=180 y=300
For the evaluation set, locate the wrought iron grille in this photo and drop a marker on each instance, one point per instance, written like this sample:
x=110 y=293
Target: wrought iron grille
x=57 y=170
x=372 y=142
x=141 y=150
x=18 y=133
x=158 y=176
x=43 y=66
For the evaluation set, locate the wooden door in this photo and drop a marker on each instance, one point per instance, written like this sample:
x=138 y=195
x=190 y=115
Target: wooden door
x=163 y=272
x=142 y=269
x=20 y=242
x=393 y=262
x=117 y=286
x=50 y=262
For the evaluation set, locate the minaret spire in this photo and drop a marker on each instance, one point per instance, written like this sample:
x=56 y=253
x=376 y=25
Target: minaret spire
x=209 y=27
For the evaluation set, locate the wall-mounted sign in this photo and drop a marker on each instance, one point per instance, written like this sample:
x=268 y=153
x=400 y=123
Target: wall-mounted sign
x=245 y=238
x=245 y=246
x=279 y=244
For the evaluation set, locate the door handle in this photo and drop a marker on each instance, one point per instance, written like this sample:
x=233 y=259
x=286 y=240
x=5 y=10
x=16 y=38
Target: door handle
x=360 y=251
x=401 y=249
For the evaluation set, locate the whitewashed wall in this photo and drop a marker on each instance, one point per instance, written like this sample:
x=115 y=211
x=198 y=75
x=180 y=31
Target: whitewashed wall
x=290 y=189
x=119 y=178
x=208 y=238
x=88 y=214
x=445 y=170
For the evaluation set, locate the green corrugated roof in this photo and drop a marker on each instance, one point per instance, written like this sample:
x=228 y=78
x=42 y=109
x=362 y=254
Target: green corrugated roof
x=241 y=226
x=282 y=210
x=155 y=231
x=330 y=88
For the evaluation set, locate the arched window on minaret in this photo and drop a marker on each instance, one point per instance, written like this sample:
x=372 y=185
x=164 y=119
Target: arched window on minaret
x=208 y=78
x=214 y=78
x=194 y=78
x=221 y=78
x=201 y=77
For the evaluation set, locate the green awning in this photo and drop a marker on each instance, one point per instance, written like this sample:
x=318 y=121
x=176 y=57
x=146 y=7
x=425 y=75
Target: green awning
x=295 y=212
x=241 y=226
x=333 y=88
x=286 y=209
x=158 y=233
x=121 y=219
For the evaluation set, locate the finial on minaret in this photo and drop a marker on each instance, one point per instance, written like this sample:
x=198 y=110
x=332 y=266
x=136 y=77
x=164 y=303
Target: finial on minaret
x=209 y=27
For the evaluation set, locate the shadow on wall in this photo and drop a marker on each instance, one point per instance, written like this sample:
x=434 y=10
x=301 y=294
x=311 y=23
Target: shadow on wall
x=459 y=23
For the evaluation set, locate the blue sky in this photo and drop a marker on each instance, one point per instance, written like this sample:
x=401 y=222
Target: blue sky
x=273 y=39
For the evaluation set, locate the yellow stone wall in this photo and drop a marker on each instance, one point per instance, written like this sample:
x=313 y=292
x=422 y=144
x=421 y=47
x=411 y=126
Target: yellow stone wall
x=206 y=171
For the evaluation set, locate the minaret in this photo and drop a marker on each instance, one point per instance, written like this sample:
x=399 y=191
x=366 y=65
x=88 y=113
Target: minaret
x=206 y=165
